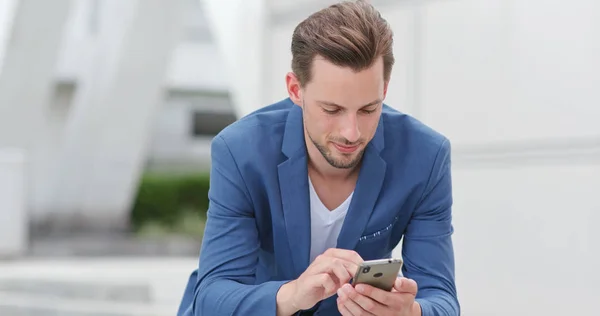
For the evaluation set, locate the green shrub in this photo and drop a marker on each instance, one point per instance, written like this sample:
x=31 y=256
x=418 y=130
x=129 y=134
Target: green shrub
x=167 y=200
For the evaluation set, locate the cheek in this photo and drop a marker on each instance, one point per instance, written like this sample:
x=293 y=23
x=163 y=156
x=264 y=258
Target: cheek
x=368 y=125
x=326 y=126
x=319 y=126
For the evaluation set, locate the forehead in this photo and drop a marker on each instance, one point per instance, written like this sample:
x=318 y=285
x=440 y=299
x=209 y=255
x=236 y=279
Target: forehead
x=343 y=85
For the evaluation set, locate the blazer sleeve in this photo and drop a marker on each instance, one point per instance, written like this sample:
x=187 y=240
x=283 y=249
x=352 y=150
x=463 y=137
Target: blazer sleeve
x=427 y=247
x=225 y=282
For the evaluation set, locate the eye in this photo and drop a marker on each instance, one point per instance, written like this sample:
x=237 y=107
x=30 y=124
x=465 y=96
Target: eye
x=331 y=111
x=369 y=111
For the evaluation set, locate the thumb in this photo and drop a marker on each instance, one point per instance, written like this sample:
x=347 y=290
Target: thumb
x=397 y=284
x=404 y=285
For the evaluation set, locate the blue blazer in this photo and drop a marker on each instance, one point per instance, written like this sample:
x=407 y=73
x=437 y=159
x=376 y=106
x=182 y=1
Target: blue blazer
x=257 y=234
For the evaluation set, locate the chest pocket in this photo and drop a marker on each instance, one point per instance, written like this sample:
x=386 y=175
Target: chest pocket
x=379 y=243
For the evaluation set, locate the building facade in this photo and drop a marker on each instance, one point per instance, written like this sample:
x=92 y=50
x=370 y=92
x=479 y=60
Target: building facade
x=123 y=86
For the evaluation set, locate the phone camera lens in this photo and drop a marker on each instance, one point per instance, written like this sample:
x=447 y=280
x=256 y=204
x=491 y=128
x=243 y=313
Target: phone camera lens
x=366 y=269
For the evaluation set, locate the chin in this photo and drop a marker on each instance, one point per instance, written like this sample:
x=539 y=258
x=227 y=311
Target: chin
x=346 y=158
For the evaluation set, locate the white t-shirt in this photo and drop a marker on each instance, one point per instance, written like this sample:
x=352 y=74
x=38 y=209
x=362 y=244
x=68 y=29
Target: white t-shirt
x=325 y=225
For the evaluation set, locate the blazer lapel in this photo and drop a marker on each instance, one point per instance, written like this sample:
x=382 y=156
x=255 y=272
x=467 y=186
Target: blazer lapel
x=293 y=184
x=366 y=192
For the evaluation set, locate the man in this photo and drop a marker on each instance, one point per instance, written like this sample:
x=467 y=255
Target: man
x=304 y=190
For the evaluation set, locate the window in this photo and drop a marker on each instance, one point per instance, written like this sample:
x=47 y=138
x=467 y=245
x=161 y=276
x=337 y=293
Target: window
x=206 y=123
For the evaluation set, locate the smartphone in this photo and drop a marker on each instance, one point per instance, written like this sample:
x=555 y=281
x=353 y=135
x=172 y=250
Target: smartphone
x=381 y=273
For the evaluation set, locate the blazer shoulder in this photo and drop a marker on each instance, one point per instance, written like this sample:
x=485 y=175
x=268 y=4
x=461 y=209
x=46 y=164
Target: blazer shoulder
x=258 y=132
x=410 y=131
x=256 y=125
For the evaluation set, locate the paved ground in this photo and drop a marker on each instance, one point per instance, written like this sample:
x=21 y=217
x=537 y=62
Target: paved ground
x=93 y=286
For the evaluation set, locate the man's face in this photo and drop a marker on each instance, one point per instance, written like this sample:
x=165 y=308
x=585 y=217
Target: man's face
x=342 y=109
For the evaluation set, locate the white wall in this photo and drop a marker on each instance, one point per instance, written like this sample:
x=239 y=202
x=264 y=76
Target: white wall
x=513 y=84
x=7 y=14
x=526 y=238
x=278 y=40
x=531 y=63
x=197 y=66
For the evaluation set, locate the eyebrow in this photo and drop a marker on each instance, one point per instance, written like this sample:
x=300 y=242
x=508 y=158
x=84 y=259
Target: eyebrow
x=364 y=106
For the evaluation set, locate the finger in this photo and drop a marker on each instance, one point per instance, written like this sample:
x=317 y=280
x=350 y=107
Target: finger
x=366 y=303
x=344 y=310
x=383 y=297
x=327 y=264
x=325 y=281
x=351 y=267
x=342 y=294
x=404 y=285
x=342 y=274
x=324 y=263
x=349 y=255
x=354 y=308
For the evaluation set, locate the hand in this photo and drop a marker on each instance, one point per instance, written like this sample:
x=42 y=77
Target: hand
x=368 y=300
x=327 y=273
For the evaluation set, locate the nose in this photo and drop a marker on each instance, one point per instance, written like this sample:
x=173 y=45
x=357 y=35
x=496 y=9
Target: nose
x=350 y=129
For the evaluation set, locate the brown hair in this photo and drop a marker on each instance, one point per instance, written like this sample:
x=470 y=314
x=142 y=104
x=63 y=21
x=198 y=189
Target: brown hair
x=348 y=34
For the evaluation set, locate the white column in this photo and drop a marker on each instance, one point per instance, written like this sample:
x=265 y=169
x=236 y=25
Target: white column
x=30 y=38
x=75 y=50
x=31 y=33
x=13 y=210
x=106 y=134
x=239 y=28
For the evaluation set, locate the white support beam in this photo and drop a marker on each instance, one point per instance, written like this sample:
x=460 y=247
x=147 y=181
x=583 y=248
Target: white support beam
x=30 y=36
x=108 y=129
x=239 y=34
x=13 y=212
x=32 y=32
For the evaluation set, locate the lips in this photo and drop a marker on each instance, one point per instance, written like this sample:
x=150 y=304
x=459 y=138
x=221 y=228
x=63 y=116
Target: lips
x=346 y=149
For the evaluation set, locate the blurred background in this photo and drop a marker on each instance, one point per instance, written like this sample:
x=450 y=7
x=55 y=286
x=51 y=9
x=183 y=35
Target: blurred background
x=108 y=107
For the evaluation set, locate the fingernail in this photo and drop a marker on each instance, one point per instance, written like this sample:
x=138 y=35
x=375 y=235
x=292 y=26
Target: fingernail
x=340 y=292
x=347 y=288
x=360 y=288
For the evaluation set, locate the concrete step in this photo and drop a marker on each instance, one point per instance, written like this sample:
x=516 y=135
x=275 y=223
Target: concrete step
x=93 y=286
x=117 y=245
x=18 y=304
x=77 y=289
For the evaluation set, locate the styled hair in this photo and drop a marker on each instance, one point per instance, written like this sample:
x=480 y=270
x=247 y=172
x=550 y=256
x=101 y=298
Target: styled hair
x=348 y=34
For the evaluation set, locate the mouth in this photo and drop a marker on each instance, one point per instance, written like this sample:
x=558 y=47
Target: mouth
x=346 y=149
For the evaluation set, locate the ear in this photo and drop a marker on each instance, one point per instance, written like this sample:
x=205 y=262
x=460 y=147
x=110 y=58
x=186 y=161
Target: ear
x=293 y=88
x=385 y=88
